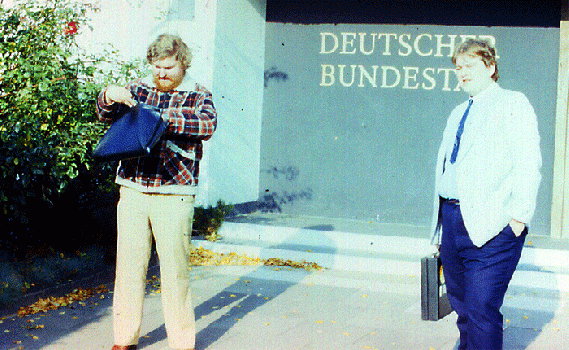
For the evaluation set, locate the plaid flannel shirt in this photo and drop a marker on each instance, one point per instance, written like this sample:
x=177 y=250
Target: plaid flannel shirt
x=173 y=165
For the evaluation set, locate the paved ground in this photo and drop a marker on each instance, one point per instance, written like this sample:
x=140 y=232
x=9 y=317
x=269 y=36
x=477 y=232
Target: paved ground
x=280 y=308
x=369 y=298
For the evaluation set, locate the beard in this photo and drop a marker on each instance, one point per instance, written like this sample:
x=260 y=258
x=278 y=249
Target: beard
x=167 y=84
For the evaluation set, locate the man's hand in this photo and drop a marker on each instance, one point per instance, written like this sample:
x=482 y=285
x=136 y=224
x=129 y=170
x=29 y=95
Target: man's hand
x=517 y=227
x=119 y=94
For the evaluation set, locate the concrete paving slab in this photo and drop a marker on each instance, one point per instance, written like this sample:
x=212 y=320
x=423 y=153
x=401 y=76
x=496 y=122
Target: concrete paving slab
x=258 y=307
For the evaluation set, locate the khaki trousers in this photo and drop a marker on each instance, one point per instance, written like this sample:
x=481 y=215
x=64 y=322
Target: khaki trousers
x=169 y=219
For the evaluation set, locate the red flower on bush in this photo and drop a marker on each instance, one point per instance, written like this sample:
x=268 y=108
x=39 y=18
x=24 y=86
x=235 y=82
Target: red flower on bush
x=71 y=28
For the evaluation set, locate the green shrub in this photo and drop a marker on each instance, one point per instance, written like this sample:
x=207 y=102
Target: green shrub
x=208 y=220
x=48 y=124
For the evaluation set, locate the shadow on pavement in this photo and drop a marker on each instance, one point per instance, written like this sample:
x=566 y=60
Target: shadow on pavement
x=43 y=330
x=527 y=313
x=240 y=299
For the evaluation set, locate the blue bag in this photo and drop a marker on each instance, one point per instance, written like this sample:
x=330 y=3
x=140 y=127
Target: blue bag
x=133 y=134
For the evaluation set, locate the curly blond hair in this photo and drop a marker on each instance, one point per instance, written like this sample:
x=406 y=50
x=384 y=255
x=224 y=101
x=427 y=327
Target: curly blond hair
x=167 y=45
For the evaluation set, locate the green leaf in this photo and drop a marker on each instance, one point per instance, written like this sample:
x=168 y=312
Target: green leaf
x=43 y=86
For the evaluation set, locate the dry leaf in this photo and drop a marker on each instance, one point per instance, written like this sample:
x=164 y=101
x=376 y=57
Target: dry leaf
x=206 y=257
x=54 y=303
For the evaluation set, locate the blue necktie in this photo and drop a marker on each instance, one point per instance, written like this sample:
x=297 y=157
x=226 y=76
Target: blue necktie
x=459 y=133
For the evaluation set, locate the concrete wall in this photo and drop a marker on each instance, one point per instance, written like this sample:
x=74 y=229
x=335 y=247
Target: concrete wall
x=560 y=200
x=233 y=153
x=354 y=114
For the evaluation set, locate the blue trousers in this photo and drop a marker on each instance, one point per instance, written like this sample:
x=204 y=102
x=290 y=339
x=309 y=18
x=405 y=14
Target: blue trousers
x=477 y=278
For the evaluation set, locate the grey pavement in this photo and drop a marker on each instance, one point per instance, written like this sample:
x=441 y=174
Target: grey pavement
x=346 y=306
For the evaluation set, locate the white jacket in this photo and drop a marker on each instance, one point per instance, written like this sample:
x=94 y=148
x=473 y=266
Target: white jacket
x=498 y=165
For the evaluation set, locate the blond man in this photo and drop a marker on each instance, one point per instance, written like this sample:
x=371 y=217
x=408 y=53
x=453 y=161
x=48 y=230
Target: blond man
x=157 y=193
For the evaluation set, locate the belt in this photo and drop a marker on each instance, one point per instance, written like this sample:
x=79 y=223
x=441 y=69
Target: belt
x=452 y=201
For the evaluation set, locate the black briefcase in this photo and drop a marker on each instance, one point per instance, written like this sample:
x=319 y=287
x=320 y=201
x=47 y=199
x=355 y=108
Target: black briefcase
x=135 y=132
x=434 y=301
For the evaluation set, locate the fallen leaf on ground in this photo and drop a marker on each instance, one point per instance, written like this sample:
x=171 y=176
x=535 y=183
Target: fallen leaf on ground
x=206 y=257
x=54 y=303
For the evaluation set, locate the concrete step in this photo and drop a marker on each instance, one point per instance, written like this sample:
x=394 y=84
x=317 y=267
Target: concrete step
x=544 y=269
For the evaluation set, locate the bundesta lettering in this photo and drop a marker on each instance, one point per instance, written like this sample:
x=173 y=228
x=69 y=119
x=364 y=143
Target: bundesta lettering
x=410 y=78
x=390 y=44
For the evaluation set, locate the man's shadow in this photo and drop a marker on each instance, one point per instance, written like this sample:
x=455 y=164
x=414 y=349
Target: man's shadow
x=527 y=311
x=243 y=296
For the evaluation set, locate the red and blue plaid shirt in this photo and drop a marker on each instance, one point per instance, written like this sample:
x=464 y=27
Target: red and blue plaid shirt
x=173 y=165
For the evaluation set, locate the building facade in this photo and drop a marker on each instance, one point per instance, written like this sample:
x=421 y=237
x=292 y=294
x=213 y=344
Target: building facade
x=336 y=110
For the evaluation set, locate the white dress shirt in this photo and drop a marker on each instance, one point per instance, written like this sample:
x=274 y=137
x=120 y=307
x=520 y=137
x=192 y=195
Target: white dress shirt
x=497 y=170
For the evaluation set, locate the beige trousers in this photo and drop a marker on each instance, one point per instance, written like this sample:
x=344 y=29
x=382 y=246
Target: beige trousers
x=169 y=219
